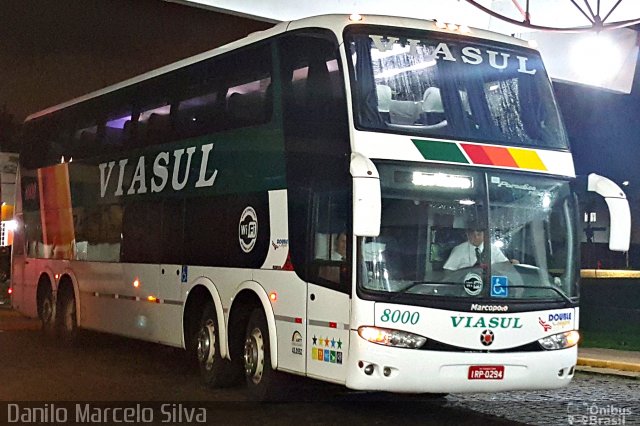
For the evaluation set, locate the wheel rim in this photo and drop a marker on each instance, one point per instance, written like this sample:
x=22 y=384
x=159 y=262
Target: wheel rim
x=69 y=317
x=207 y=345
x=47 y=311
x=254 y=356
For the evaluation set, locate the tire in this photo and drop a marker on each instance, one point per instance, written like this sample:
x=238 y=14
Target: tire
x=215 y=371
x=46 y=312
x=263 y=382
x=66 y=318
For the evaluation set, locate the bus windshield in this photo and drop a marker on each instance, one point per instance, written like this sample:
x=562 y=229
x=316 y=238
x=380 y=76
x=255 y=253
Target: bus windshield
x=432 y=84
x=463 y=233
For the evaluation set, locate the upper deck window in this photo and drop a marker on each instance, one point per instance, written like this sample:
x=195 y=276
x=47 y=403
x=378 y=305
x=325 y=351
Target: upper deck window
x=429 y=84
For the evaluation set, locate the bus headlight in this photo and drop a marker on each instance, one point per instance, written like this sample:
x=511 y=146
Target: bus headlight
x=389 y=337
x=560 y=340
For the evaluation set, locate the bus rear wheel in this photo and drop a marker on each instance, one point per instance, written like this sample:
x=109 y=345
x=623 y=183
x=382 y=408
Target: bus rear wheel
x=215 y=371
x=46 y=312
x=263 y=382
x=66 y=319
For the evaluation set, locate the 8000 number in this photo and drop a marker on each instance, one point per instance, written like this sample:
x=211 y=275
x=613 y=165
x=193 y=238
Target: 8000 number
x=397 y=316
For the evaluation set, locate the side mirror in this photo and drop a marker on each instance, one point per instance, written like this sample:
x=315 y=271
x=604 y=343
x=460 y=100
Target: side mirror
x=366 y=196
x=619 y=213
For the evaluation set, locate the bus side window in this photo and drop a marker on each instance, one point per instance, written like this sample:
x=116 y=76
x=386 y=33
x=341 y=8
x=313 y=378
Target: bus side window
x=154 y=125
x=141 y=232
x=200 y=114
x=84 y=142
x=247 y=103
x=98 y=231
x=237 y=110
x=331 y=240
x=314 y=94
x=313 y=97
x=117 y=130
x=173 y=230
x=226 y=92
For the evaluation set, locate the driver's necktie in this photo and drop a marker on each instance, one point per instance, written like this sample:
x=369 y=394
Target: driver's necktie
x=478 y=256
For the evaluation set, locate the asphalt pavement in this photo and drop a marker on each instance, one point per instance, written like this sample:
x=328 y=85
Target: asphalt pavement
x=593 y=360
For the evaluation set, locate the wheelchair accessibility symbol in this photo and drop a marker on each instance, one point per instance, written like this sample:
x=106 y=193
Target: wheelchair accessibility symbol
x=499 y=286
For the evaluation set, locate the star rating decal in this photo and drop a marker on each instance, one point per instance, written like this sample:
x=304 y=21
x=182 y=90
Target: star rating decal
x=326 y=355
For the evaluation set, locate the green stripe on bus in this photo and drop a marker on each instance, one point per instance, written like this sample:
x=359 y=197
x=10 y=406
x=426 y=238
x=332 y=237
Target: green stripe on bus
x=440 y=151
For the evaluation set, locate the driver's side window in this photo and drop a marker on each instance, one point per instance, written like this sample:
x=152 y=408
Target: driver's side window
x=331 y=239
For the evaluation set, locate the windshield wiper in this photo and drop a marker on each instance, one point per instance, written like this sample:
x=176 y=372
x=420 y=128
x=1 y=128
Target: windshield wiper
x=557 y=290
x=417 y=283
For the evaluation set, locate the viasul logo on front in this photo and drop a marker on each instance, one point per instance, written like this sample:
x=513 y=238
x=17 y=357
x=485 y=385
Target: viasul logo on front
x=463 y=321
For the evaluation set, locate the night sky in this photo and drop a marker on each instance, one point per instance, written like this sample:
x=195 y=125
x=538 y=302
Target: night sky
x=52 y=51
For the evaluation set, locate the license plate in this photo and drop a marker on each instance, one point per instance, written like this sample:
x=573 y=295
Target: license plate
x=486 y=372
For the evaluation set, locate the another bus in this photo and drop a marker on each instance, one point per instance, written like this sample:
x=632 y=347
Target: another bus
x=288 y=204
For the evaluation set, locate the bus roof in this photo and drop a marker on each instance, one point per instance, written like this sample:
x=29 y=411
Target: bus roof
x=335 y=22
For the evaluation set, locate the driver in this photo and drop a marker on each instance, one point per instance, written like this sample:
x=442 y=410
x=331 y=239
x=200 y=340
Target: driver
x=471 y=252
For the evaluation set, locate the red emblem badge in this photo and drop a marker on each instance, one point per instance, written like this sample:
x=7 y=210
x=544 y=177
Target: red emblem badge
x=486 y=338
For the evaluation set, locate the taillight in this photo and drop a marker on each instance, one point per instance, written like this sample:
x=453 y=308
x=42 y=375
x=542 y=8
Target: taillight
x=288 y=265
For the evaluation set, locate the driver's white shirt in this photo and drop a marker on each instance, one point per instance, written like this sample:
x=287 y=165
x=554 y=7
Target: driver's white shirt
x=464 y=256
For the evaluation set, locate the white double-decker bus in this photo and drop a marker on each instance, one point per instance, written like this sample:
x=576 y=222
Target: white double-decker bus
x=316 y=199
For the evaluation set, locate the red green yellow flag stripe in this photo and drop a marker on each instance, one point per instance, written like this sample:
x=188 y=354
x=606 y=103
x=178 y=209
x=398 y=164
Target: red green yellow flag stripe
x=487 y=155
x=440 y=151
x=527 y=159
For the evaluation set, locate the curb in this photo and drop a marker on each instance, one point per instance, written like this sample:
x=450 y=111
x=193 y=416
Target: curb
x=615 y=365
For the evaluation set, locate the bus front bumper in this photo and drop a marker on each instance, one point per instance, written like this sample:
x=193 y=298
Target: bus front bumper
x=383 y=368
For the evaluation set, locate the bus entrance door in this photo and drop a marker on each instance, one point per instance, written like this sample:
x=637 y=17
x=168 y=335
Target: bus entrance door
x=327 y=333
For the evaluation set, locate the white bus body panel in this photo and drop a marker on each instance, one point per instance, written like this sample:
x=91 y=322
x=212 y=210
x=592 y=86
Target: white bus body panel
x=223 y=283
x=463 y=329
x=24 y=282
x=402 y=148
x=328 y=334
x=110 y=301
x=171 y=293
x=289 y=315
x=417 y=371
